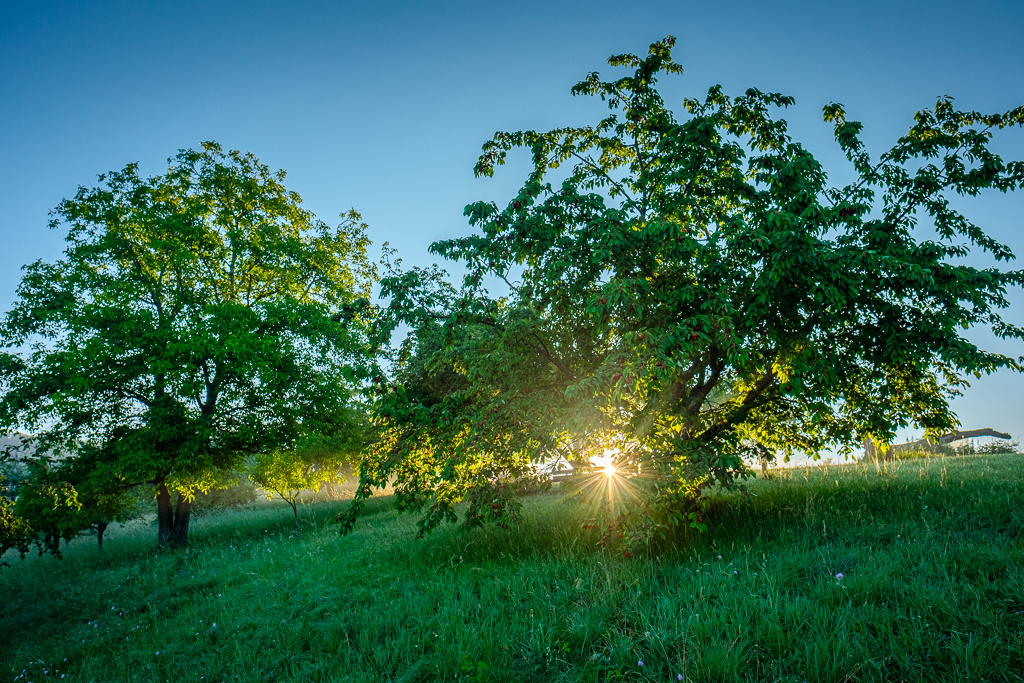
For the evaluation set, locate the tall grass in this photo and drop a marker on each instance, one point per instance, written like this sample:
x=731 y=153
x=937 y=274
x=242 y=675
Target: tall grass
x=930 y=552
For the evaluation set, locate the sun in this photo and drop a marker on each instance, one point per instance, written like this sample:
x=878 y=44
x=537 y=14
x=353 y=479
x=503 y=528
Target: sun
x=606 y=462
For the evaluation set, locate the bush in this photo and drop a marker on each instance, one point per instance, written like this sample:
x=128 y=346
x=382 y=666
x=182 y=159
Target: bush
x=998 y=446
x=922 y=449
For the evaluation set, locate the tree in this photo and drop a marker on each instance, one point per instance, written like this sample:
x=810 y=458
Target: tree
x=314 y=461
x=50 y=509
x=60 y=499
x=196 y=317
x=14 y=531
x=692 y=293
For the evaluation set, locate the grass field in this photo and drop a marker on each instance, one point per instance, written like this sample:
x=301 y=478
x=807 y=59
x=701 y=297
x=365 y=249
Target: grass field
x=931 y=554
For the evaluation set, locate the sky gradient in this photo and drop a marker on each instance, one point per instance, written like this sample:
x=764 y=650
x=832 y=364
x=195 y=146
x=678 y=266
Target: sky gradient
x=383 y=107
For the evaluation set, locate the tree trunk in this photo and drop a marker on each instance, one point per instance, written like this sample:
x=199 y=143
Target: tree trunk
x=870 y=451
x=182 y=517
x=875 y=453
x=295 y=510
x=172 y=523
x=100 y=528
x=165 y=518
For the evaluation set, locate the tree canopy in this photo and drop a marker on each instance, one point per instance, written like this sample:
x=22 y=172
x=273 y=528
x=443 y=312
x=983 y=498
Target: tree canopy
x=685 y=290
x=196 y=317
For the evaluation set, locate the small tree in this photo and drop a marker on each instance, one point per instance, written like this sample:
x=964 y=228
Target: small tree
x=693 y=286
x=314 y=462
x=197 y=317
x=60 y=499
x=52 y=510
x=14 y=531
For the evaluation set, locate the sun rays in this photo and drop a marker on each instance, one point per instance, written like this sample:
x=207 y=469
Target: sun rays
x=605 y=486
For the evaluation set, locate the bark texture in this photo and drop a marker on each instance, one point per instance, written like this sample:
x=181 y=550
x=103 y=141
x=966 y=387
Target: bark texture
x=172 y=522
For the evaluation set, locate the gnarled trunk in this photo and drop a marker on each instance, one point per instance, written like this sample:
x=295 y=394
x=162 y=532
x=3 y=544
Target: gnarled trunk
x=172 y=523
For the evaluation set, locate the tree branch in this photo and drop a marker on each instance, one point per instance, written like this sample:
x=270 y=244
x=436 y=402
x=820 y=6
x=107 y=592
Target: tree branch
x=749 y=402
x=668 y=396
x=590 y=162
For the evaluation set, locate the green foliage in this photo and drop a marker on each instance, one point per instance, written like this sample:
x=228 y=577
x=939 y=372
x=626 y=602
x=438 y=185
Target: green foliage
x=931 y=555
x=315 y=460
x=692 y=293
x=61 y=499
x=478 y=672
x=196 y=317
x=287 y=474
x=997 y=446
x=14 y=530
x=51 y=508
x=923 y=449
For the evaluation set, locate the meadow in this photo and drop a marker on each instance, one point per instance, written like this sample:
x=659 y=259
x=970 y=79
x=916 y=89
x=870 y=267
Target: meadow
x=908 y=570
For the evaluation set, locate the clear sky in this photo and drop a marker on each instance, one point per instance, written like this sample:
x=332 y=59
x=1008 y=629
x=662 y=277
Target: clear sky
x=383 y=106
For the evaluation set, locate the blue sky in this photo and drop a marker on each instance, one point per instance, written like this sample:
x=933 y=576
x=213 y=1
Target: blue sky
x=384 y=106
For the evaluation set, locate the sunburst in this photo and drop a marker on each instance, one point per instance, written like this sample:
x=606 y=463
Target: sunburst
x=606 y=462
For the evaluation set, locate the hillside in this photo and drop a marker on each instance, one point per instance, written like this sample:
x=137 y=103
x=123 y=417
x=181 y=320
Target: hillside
x=912 y=571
